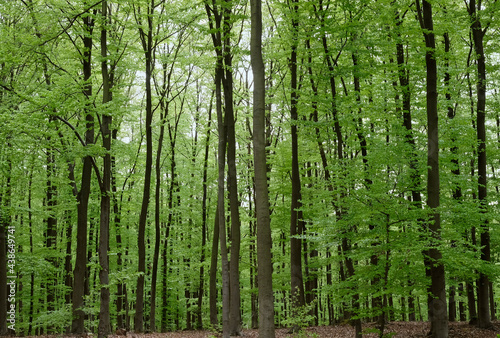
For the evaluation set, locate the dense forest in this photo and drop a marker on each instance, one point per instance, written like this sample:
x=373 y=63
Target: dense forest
x=225 y=164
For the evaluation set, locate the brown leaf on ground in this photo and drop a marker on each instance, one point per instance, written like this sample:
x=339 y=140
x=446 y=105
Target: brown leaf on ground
x=400 y=330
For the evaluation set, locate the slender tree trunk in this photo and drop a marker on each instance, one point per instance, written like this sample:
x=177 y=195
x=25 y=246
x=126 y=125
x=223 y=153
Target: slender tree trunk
x=461 y=303
x=51 y=230
x=234 y=270
x=457 y=191
x=484 y=318
x=120 y=292
x=214 y=21
x=201 y=290
x=80 y=273
x=32 y=274
x=171 y=206
x=297 y=283
x=213 y=272
x=437 y=306
x=68 y=280
x=147 y=43
x=222 y=218
x=264 y=242
x=104 y=315
x=158 y=173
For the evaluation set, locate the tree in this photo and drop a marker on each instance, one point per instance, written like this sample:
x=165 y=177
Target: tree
x=483 y=309
x=79 y=274
x=146 y=36
x=296 y=224
x=105 y=215
x=265 y=267
x=437 y=305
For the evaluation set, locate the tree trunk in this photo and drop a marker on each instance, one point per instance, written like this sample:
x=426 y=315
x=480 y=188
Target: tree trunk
x=121 y=289
x=147 y=43
x=221 y=155
x=80 y=272
x=214 y=21
x=483 y=308
x=213 y=272
x=104 y=316
x=297 y=283
x=51 y=230
x=437 y=306
x=456 y=190
x=201 y=290
x=158 y=174
x=171 y=207
x=234 y=270
x=264 y=242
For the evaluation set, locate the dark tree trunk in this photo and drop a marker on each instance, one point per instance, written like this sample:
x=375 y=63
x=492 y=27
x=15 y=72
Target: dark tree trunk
x=234 y=269
x=32 y=275
x=456 y=190
x=201 y=290
x=68 y=280
x=221 y=155
x=104 y=315
x=264 y=242
x=51 y=230
x=147 y=43
x=80 y=273
x=492 y=303
x=483 y=306
x=437 y=305
x=171 y=206
x=120 y=292
x=461 y=303
x=158 y=174
x=297 y=283
x=213 y=272
x=215 y=21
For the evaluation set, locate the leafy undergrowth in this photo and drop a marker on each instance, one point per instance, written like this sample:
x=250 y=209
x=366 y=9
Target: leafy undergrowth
x=393 y=329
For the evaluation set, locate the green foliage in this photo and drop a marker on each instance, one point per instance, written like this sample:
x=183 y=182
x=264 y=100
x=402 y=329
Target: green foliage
x=58 y=319
x=300 y=317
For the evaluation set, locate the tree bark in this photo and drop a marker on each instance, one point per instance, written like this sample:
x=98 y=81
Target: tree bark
x=456 y=190
x=147 y=43
x=264 y=243
x=437 y=305
x=204 y=200
x=234 y=269
x=215 y=21
x=297 y=283
x=51 y=230
x=213 y=272
x=104 y=316
x=483 y=307
x=80 y=272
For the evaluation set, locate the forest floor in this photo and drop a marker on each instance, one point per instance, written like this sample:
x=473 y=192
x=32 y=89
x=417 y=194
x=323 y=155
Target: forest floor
x=393 y=329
